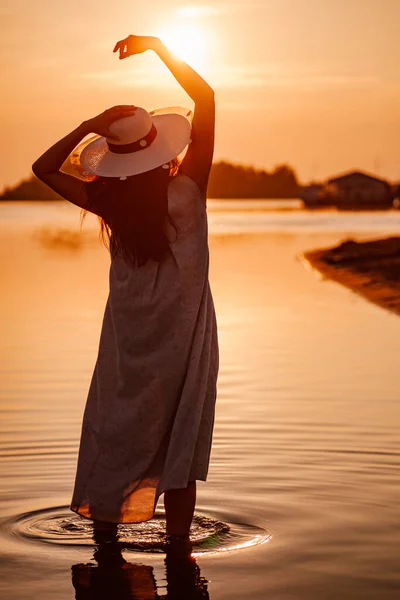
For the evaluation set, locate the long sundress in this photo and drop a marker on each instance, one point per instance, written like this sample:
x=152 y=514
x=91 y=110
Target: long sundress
x=149 y=416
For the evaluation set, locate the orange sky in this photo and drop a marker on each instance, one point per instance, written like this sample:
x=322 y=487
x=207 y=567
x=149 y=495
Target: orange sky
x=315 y=83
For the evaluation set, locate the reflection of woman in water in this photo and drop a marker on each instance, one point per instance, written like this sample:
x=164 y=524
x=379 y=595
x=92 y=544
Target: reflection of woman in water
x=148 y=421
x=115 y=578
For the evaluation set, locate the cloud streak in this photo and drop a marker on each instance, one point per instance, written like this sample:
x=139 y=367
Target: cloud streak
x=192 y=11
x=228 y=76
x=202 y=10
x=268 y=76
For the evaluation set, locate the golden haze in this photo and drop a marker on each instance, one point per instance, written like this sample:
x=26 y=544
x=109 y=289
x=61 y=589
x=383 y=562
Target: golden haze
x=314 y=83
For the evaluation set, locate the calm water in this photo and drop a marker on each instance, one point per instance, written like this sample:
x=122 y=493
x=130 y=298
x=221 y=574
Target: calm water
x=302 y=500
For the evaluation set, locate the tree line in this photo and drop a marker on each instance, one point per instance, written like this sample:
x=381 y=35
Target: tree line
x=227 y=180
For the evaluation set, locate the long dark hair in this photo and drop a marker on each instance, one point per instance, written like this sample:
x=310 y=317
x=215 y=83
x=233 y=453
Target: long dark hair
x=133 y=214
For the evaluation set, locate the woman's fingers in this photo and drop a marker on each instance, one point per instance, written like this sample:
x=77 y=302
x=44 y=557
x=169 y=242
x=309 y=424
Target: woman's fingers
x=116 y=46
x=123 y=108
x=124 y=51
x=112 y=136
x=119 y=112
x=122 y=46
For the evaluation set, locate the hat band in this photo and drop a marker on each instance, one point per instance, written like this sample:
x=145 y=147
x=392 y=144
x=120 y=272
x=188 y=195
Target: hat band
x=141 y=144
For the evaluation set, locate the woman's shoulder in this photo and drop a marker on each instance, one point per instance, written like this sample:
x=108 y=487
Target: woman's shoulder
x=186 y=184
x=186 y=204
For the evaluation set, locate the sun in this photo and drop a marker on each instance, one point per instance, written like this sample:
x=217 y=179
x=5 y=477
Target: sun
x=188 y=42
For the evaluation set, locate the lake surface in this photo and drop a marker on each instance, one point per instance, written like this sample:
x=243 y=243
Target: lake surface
x=305 y=461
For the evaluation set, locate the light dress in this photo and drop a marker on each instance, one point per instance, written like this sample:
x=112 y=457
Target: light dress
x=149 y=416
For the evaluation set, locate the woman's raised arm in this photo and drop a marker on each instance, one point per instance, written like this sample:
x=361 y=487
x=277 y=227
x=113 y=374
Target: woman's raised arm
x=198 y=159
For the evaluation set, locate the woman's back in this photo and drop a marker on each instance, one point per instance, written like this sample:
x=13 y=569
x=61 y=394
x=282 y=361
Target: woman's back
x=154 y=384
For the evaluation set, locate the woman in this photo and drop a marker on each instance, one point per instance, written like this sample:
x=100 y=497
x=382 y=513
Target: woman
x=148 y=421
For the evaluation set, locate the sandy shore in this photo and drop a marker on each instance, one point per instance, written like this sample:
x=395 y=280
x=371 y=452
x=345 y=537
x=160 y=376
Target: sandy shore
x=371 y=269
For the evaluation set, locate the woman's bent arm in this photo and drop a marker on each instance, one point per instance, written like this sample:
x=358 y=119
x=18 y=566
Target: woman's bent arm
x=52 y=160
x=47 y=167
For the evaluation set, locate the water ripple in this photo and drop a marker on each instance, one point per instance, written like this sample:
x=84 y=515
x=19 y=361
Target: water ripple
x=58 y=526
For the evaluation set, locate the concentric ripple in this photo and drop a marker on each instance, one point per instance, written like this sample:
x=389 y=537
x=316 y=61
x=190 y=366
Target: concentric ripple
x=58 y=526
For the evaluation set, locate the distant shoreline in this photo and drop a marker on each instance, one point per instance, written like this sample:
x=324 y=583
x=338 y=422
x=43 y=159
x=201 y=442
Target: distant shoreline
x=370 y=269
x=227 y=180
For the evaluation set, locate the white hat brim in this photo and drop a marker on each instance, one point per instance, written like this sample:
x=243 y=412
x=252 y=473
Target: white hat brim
x=173 y=135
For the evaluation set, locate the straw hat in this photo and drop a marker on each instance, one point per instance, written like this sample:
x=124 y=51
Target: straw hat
x=147 y=140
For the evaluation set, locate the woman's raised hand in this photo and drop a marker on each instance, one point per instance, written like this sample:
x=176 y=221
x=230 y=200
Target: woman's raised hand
x=133 y=44
x=101 y=123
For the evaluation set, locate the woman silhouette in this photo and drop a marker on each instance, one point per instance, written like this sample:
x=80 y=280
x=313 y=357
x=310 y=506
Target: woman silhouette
x=149 y=415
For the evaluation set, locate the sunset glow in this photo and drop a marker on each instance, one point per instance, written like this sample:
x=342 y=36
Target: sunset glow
x=310 y=83
x=200 y=300
x=188 y=42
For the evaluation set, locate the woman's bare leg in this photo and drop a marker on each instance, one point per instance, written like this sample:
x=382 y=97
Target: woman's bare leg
x=179 y=509
x=104 y=526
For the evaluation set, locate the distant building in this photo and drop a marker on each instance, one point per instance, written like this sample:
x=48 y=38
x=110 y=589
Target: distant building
x=315 y=195
x=358 y=190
